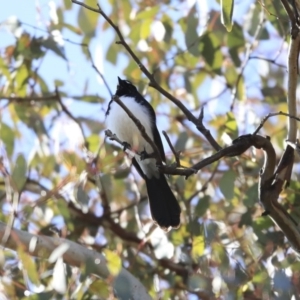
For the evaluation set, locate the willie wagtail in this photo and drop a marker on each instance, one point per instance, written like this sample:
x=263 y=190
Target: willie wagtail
x=164 y=207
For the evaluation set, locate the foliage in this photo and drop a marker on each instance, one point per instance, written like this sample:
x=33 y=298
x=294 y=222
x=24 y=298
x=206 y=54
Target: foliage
x=59 y=176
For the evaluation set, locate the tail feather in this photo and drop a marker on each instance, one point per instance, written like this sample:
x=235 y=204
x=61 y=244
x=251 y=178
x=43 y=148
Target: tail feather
x=164 y=207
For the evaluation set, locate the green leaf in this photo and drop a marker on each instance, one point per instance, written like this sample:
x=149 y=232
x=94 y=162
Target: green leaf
x=168 y=24
x=241 y=90
x=181 y=141
x=113 y=262
x=21 y=79
x=58 y=83
x=8 y=136
x=68 y=4
x=28 y=265
x=198 y=247
x=93 y=142
x=210 y=49
x=51 y=44
x=121 y=173
x=253 y=19
x=236 y=42
x=260 y=277
x=148 y=13
x=4 y=69
x=226 y=13
x=89 y=98
x=227 y=184
x=178 y=236
x=106 y=181
x=72 y=28
x=100 y=288
x=198 y=282
x=87 y=21
x=231 y=126
x=202 y=206
x=145 y=28
x=191 y=35
x=19 y=172
x=43 y=85
x=112 y=53
x=81 y=197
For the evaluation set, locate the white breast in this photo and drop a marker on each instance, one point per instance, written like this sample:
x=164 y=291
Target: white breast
x=119 y=123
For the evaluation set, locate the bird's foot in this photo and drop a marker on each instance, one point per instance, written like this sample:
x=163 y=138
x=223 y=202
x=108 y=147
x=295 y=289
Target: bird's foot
x=144 y=155
x=126 y=146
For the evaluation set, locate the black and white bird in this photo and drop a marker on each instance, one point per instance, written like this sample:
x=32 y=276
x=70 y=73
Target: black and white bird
x=164 y=207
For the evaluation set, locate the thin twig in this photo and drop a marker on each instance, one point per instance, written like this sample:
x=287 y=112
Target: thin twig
x=97 y=70
x=176 y=153
x=29 y=99
x=272 y=61
x=273 y=115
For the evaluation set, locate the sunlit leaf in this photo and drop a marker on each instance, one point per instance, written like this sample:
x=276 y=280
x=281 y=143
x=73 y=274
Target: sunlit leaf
x=231 y=125
x=145 y=28
x=260 y=276
x=93 y=142
x=87 y=20
x=7 y=135
x=226 y=13
x=21 y=78
x=198 y=247
x=19 y=172
x=148 y=13
x=100 y=288
x=29 y=266
x=241 y=89
x=178 y=236
x=113 y=260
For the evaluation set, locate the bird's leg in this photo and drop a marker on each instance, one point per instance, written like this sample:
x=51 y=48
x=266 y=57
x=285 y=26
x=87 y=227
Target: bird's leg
x=126 y=146
x=144 y=155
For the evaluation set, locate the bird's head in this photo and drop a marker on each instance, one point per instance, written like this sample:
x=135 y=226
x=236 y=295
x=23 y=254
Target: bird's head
x=125 y=88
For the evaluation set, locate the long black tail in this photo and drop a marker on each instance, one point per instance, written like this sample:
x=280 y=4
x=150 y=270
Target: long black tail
x=164 y=207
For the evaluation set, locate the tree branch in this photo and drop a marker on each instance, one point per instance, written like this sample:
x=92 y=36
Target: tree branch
x=153 y=83
x=76 y=255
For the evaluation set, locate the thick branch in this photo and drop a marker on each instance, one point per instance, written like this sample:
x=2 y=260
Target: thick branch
x=76 y=255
